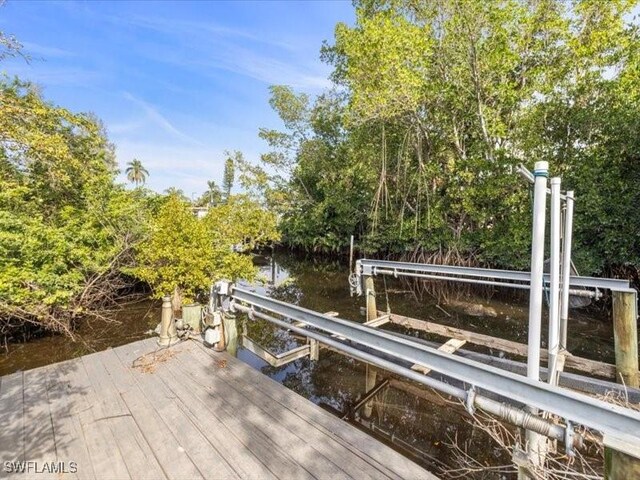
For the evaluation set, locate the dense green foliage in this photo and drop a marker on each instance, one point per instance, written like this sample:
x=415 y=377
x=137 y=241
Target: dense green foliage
x=184 y=254
x=64 y=225
x=72 y=239
x=438 y=102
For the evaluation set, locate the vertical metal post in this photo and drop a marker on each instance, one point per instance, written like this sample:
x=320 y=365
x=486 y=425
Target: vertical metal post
x=370 y=293
x=566 y=268
x=273 y=269
x=536 y=444
x=168 y=332
x=351 y=255
x=540 y=173
x=625 y=336
x=554 y=294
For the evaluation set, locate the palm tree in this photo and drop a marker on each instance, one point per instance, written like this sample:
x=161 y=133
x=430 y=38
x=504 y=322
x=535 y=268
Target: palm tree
x=214 y=193
x=136 y=173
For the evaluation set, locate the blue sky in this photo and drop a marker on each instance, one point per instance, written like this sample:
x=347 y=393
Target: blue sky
x=176 y=84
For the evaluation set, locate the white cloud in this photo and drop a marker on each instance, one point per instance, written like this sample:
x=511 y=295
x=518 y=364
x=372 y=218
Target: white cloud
x=55 y=76
x=205 y=31
x=196 y=44
x=37 y=50
x=153 y=115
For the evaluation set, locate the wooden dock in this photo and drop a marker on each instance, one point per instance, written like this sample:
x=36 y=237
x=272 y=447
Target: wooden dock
x=136 y=412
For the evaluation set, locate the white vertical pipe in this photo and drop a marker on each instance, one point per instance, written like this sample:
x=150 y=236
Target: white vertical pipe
x=536 y=444
x=554 y=274
x=566 y=269
x=540 y=173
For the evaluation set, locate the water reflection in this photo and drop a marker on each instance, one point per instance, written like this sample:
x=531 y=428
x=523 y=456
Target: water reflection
x=133 y=322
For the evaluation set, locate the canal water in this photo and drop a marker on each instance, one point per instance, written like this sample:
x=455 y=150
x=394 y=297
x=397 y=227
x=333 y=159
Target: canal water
x=422 y=428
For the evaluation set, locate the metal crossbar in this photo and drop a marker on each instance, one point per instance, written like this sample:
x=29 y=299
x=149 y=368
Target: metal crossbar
x=613 y=421
x=486 y=276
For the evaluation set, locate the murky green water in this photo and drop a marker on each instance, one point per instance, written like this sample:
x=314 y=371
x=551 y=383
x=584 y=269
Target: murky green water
x=419 y=426
x=129 y=324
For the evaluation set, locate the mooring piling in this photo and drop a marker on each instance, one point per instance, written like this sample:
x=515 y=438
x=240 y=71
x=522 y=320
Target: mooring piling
x=168 y=331
x=625 y=335
x=370 y=292
x=371 y=375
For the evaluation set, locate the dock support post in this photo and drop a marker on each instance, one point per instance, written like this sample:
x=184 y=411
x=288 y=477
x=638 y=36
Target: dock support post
x=370 y=292
x=168 y=332
x=619 y=465
x=625 y=335
x=231 y=331
x=370 y=381
x=314 y=350
x=536 y=443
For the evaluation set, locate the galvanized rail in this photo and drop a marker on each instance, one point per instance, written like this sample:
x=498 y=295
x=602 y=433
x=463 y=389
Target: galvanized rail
x=483 y=276
x=619 y=425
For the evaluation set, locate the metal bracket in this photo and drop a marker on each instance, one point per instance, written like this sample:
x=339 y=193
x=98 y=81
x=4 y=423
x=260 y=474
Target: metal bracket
x=251 y=314
x=469 y=402
x=569 y=438
x=223 y=288
x=358 y=278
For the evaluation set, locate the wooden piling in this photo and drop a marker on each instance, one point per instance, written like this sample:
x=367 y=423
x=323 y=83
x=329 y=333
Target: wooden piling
x=370 y=293
x=314 y=350
x=231 y=332
x=625 y=334
x=619 y=465
x=168 y=333
x=371 y=375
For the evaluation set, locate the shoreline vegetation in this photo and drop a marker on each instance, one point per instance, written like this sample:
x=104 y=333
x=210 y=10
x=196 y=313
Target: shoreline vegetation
x=413 y=151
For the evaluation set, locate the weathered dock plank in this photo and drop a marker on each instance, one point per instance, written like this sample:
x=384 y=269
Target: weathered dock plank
x=187 y=440
x=67 y=427
x=375 y=454
x=196 y=405
x=187 y=413
x=74 y=394
x=140 y=460
x=280 y=435
x=39 y=439
x=12 y=419
x=350 y=463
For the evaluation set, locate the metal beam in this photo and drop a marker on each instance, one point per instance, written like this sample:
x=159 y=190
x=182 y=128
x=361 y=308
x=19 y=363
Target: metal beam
x=609 y=419
x=399 y=268
x=508 y=412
